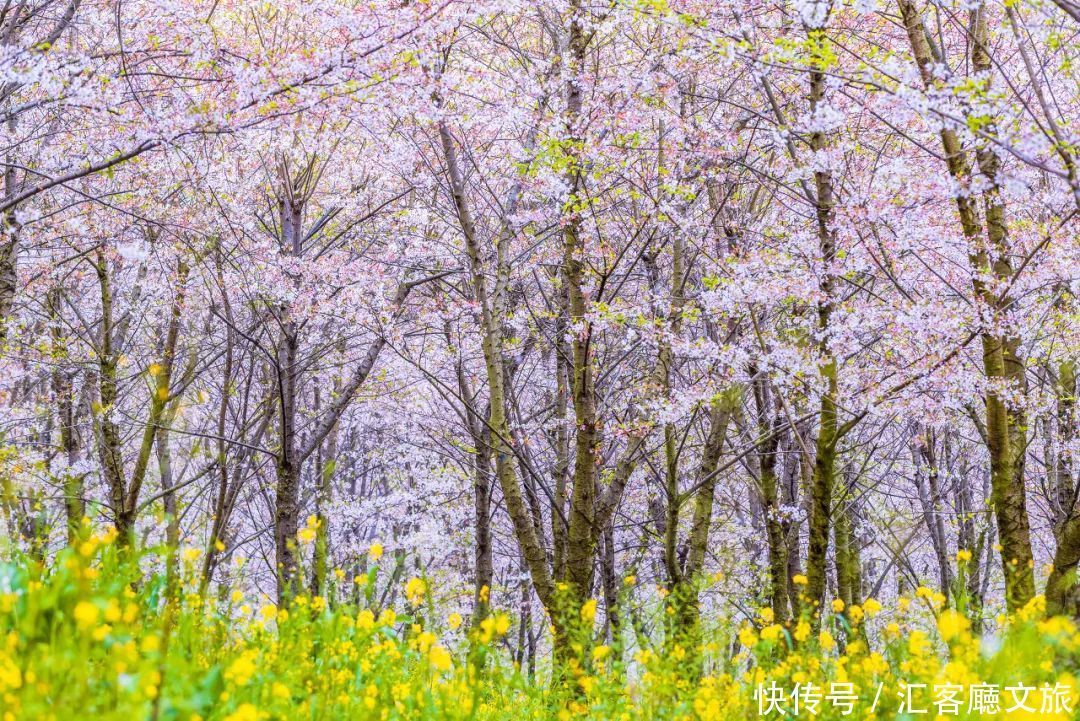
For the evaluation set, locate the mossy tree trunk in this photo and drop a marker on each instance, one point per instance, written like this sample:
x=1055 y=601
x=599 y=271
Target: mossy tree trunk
x=828 y=435
x=769 y=424
x=1005 y=427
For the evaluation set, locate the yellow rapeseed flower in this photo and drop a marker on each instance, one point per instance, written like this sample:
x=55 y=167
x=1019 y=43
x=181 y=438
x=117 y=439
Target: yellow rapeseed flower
x=772 y=633
x=440 y=658
x=86 y=614
x=952 y=625
x=244 y=712
x=588 y=611
x=242 y=669
x=415 y=590
x=918 y=644
x=10 y=675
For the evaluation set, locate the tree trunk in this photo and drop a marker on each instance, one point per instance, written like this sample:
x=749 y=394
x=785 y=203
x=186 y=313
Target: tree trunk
x=293 y=196
x=684 y=628
x=112 y=462
x=498 y=423
x=326 y=466
x=927 y=485
x=848 y=565
x=768 y=424
x=9 y=255
x=74 y=493
x=1005 y=431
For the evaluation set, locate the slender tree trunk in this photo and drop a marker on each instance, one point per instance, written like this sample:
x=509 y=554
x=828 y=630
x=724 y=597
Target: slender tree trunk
x=1063 y=586
x=684 y=629
x=1066 y=423
x=769 y=431
x=1005 y=431
x=287 y=502
x=161 y=393
x=848 y=564
x=291 y=203
x=927 y=485
x=583 y=530
x=821 y=489
x=164 y=460
x=610 y=586
x=112 y=463
x=482 y=558
x=498 y=423
x=172 y=515
x=561 y=470
x=10 y=231
x=326 y=467
x=480 y=435
x=74 y=493
x=222 y=509
x=1010 y=494
x=793 y=480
